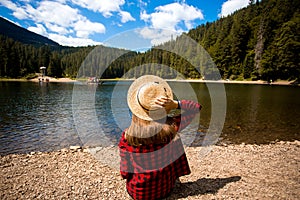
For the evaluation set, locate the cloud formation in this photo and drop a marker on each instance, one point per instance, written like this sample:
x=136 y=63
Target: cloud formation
x=168 y=21
x=73 y=41
x=61 y=21
x=171 y=15
x=106 y=8
x=81 y=20
x=231 y=6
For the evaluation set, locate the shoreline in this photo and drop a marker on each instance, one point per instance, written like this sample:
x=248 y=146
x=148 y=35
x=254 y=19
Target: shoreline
x=242 y=171
x=51 y=79
x=55 y=80
x=258 y=82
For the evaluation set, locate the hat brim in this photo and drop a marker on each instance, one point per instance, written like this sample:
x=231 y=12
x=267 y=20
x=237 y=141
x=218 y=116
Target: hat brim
x=132 y=97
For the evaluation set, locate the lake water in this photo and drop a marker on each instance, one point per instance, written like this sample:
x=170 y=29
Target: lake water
x=51 y=116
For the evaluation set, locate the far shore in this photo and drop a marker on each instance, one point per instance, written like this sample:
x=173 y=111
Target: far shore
x=258 y=82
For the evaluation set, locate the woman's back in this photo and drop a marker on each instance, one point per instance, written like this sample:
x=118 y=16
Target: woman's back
x=151 y=151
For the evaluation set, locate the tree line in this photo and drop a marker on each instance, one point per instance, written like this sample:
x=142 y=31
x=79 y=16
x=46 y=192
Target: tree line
x=257 y=42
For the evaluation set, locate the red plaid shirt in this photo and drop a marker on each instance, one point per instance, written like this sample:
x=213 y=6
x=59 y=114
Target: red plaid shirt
x=151 y=170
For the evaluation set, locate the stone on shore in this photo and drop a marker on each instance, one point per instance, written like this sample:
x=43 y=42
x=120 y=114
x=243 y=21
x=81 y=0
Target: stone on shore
x=220 y=172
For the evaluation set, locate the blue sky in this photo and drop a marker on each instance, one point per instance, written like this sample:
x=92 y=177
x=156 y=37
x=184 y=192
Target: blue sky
x=91 y=22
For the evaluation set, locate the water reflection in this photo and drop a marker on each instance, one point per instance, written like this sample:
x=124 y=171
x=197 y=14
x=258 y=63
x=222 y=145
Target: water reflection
x=35 y=117
x=40 y=117
x=261 y=113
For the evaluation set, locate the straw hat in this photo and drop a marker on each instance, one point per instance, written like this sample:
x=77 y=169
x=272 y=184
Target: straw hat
x=142 y=94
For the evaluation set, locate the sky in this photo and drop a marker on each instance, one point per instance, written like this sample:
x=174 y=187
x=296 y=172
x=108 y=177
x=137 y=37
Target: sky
x=114 y=22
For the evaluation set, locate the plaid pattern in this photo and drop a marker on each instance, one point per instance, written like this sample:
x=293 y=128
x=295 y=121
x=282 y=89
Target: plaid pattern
x=152 y=170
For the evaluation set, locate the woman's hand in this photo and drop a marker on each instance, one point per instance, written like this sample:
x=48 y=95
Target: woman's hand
x=169 y=104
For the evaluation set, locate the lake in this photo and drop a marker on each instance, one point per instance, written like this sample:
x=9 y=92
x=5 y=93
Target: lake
x=50 y=116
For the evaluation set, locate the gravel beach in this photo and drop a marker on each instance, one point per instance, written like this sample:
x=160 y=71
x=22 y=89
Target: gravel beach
x=224 y=172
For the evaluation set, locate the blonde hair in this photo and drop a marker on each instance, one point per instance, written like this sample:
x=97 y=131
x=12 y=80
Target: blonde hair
x=143 y=132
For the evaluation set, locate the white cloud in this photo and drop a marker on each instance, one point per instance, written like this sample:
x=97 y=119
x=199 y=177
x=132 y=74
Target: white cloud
x=144 y=16
x=126 y=16
x=57 y=28
x=85 y=27
x=72 y=41
x=167 y=21
x=8 y=4
x=39 y=29
x=171 y=15
x=157 y=36
x=106 y=8
x=54 y=12
x=230 y=6
x=56 y=18
x=18 y=12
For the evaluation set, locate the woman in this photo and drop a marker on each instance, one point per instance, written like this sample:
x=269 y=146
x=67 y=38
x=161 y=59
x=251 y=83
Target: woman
x=151 y=151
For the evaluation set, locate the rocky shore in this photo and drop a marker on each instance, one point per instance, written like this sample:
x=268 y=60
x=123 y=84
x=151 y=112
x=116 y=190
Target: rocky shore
x=224 y=172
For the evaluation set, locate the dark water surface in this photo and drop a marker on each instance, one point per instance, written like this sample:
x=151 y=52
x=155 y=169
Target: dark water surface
x=41 y=117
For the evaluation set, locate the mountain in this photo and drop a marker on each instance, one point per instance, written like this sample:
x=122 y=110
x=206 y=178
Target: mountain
x=22 y=35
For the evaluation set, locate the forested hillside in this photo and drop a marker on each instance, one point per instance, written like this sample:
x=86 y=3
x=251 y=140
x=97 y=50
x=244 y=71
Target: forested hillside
x=257 y=42
x=260 y=41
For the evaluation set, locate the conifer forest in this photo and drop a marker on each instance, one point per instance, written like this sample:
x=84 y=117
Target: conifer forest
x=259 y=42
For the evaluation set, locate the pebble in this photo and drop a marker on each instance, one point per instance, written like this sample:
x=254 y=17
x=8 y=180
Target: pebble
x=85 y=151
x=37 y=176
x=64 y=150
x=75 y=147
